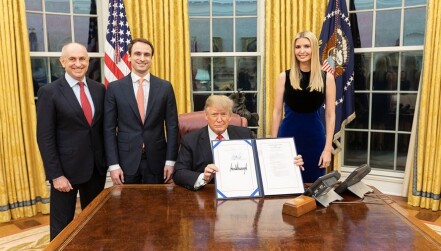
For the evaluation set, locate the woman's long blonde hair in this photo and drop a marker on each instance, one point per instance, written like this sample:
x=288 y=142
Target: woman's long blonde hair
x=316 y=79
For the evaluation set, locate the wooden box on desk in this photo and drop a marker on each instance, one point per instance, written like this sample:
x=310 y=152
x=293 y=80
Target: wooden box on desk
x=299 y=206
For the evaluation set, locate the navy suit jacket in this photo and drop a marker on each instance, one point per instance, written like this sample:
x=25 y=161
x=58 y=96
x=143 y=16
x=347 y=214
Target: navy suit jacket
x=68 y=145
x=195 y=154
x=124 y=133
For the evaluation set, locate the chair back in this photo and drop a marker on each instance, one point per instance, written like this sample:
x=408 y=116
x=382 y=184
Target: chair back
x=195 y=120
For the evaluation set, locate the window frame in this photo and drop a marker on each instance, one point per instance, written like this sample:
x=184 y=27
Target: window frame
x=259 y=55
x=102 y=13
x=385 y=174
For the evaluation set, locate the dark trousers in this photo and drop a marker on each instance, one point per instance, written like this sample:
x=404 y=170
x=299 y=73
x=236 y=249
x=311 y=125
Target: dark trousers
x=62 y=208
x=144 y=175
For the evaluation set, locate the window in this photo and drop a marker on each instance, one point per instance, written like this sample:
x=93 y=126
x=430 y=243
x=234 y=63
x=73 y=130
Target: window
x=52 y=24
x=225 y=51
x=389 y=39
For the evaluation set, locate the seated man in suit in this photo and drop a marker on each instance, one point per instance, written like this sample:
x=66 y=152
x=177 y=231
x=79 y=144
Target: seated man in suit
x=194 y=167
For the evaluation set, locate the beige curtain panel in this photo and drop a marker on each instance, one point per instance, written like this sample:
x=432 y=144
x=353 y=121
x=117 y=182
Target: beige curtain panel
x=425 y=181
x=23 y=189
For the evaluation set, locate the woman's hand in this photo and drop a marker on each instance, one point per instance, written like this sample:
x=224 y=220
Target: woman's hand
x=325 y=158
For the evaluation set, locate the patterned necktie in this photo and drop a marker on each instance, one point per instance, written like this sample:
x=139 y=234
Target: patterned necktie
x=220 y=137
x=140 y=99
x=85 y=104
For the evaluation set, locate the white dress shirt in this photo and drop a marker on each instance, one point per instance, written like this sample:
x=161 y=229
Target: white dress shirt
x=76 y=89
x=145 y=86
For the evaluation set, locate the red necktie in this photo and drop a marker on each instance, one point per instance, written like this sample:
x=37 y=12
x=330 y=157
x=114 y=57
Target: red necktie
x=220 y=137
x=85 y=104
x=140 y=100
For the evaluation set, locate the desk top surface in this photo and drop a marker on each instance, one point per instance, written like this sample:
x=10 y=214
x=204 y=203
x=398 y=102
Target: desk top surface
x=168 y=217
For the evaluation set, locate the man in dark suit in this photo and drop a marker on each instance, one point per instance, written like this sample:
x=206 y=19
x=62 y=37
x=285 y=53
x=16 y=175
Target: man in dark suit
x=70 y=137
x=194 y=167
x=136 y=109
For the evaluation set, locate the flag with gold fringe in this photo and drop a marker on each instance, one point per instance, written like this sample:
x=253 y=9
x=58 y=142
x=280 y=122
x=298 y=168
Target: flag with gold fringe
x=337 y=58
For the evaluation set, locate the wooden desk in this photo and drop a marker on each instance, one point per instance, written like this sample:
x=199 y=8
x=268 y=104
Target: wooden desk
x=168 y=217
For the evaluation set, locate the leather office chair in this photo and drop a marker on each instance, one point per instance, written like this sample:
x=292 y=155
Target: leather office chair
x=195 y=120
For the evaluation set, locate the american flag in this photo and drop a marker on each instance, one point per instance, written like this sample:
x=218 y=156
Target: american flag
x=116 y=48
x=337 y=57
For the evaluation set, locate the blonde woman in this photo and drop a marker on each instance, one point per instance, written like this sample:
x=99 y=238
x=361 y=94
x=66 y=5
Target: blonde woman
x=301 y=91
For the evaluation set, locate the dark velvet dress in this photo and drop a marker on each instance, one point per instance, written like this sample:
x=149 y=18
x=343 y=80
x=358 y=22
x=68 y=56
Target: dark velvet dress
x=303 y=121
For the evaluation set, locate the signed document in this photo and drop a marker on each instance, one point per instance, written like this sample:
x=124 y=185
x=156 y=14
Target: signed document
x=278 y=172
x=255 y=168
x=237 y=176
